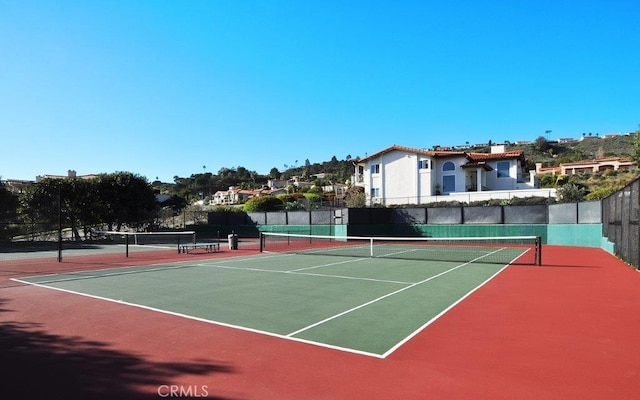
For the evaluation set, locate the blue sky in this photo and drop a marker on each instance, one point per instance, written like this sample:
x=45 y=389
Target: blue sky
x=163 y=88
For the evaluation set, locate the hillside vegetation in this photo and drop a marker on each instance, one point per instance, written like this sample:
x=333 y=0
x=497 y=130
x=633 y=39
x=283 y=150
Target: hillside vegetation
x=549 y=153
x=582 y=186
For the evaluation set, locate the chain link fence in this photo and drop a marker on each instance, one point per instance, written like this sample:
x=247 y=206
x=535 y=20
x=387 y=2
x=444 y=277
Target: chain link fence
x=620 y=222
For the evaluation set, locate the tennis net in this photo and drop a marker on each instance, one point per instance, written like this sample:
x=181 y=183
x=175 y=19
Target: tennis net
x=167 y=239
x=500 y=250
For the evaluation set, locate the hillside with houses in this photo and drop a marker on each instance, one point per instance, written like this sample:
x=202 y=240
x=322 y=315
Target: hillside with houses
x=590 y=165
x=593 y=163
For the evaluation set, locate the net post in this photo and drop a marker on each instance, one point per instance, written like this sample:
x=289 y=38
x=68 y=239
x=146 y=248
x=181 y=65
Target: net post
x=261 y=239
x=371 y=247
x=538 y=250
x=178 y=244
x=126 y=245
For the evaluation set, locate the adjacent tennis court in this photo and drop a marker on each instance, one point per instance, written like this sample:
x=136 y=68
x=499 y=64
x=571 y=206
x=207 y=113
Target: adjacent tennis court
x=367 y=305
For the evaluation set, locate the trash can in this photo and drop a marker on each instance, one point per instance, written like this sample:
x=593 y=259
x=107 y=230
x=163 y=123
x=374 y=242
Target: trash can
x=233 y=241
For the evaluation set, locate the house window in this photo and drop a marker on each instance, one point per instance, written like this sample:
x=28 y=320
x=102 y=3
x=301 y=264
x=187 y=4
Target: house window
x=375 y=168
x=448 y=183
x=448 y=166
x=375 y=192
x=503 y=169
x=423 y=164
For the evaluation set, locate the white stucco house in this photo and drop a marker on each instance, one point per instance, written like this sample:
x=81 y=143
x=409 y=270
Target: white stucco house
x=404 y=175
x=237 y=196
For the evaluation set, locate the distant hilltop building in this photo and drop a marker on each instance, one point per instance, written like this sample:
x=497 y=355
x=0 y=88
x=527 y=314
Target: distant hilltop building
x=589 y=136
x=587 y=166
x=18 y=186
x=71 y=174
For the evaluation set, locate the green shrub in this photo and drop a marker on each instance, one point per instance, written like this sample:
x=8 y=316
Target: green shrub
x=600 y=194
x=287 y=198
x=293 y=206
x=570 y=192
x=227 y=209
x=547 y=180
x=439 y=204
x=488 y=203
x=263 y=203
x=313 y=196
x=528 y=201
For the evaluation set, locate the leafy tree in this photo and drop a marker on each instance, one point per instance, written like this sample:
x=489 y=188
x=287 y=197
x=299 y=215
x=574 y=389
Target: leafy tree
x=355 y=197
x=243 y=174
x=8 y=211
x=112 y=199
x=274 y=173
x=127 y=199
x=176 y=203
x=39 y=206
x=82 y=203
x=541 y=144
x=70 y=198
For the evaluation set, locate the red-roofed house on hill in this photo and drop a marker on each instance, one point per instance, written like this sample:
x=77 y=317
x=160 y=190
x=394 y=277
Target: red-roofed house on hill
x=404 y=175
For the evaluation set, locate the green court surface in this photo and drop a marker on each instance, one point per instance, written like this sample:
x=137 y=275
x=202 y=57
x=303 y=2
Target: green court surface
x=366 y=305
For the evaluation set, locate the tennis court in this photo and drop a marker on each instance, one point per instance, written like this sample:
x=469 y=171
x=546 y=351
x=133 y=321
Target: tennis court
x=365 y=305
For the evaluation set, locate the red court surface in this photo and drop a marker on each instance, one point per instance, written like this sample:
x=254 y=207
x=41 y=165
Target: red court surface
x=568 y=329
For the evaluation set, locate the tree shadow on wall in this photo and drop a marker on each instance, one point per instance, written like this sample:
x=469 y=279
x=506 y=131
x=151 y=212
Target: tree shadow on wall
x=36 y=364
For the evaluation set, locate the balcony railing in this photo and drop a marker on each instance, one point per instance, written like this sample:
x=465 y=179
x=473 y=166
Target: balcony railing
x=357 y=178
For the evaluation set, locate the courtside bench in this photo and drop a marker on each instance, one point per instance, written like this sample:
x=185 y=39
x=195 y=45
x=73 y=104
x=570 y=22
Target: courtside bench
x=205 y=247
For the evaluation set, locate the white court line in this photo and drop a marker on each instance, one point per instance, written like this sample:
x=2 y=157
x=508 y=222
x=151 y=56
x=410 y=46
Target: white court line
x=176 y=264
x=77 y=276
x=276 y=271
x=212 y=322
x=329 y=264
x=290 y=335
x=325 y=251
x=387 y=295
x=440 y=314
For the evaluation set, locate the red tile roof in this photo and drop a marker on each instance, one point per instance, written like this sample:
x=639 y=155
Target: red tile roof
x=473 y=157
x=495 y=156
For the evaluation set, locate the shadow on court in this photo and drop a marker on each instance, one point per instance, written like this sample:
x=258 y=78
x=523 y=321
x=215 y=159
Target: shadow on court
x=37 y=364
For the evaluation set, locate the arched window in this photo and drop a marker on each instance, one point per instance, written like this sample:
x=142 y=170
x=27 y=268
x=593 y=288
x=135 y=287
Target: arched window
x=448 y=166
